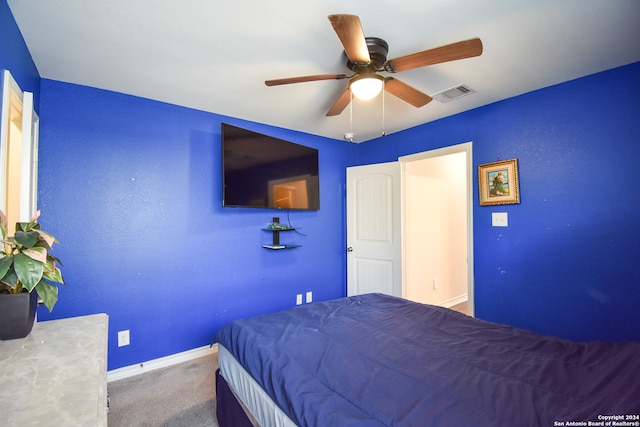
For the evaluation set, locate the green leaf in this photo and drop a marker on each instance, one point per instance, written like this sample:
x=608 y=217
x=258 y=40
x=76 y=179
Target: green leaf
x=29 y=271
x=53 y=273
x=38 y=254
x=3 y=231
x=48 y=293
x=47 y=238
x=23 y=226
x=27 y=239
x=10 y=278
x=5 y=265
x=53 y=260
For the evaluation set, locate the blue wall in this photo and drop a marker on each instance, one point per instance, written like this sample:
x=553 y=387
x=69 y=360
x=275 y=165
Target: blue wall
x=132 y=188
x=15 y=57
x=567 y=265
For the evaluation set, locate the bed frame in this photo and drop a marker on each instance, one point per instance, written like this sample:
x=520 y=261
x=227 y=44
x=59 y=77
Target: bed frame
x=229 y=410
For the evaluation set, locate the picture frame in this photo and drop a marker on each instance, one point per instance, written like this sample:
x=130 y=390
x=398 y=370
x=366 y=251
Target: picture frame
x=498 y=183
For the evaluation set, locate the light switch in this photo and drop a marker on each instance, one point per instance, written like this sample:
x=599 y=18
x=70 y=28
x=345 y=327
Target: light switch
x=499 y=219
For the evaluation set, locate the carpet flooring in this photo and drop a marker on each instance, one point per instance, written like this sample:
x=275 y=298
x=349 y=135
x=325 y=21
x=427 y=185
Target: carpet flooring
x=462 y=308
x=182 y=395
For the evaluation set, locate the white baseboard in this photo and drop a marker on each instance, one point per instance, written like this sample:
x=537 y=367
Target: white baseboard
x=163 y=362
x=454 y=301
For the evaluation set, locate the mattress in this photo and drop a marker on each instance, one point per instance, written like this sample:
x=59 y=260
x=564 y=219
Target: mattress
x=377 y=360
x=262 y=411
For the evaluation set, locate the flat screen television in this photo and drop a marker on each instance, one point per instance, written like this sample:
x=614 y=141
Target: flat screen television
x=260 y=171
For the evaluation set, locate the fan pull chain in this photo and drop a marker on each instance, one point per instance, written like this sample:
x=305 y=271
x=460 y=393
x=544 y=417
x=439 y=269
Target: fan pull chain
x=349 y=136
x=383 y=91
x=351 y=112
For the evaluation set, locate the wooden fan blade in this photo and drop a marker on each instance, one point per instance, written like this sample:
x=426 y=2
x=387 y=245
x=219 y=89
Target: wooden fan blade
x=450 y=52
x=289 y=80
x=340 y=104
x=406 y=93
x=350 y=33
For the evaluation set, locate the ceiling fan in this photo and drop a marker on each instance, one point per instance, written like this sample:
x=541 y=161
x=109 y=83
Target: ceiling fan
x=367 y=56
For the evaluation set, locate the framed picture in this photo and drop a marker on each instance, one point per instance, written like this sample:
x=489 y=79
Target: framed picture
x=498 y=183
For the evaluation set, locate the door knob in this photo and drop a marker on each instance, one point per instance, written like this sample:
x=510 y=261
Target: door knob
x=349 y=249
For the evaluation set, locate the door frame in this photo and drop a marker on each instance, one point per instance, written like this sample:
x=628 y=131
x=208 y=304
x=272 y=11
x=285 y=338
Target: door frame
x=466 y=148
x=12 y=98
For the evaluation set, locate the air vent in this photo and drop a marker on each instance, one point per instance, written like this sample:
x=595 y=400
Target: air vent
x=453 y=93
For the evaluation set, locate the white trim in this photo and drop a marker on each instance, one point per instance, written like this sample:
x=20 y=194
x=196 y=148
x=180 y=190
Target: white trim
x=163 y=362
x=454 y=301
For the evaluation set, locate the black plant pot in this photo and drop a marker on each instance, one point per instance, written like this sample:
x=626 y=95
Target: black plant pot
x=17 y=313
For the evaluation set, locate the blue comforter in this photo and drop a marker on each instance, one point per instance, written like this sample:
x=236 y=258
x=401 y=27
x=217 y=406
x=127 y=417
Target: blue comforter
x=376 y=360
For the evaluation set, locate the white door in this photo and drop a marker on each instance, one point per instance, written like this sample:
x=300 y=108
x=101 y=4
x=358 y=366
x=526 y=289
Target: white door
x=374 y=231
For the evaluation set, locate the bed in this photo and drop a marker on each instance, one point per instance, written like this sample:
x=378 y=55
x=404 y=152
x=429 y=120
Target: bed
x=377 y=360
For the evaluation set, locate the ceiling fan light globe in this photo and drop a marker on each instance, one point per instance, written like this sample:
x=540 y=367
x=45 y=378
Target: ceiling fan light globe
x=366 y=87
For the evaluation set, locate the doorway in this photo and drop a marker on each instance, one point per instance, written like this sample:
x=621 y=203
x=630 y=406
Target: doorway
x=18 y=152
x=437 y=200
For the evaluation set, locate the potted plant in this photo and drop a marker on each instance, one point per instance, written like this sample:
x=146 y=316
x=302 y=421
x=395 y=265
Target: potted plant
x=27 y=271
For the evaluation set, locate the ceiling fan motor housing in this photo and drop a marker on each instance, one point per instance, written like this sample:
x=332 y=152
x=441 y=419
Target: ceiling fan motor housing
x=378 y=50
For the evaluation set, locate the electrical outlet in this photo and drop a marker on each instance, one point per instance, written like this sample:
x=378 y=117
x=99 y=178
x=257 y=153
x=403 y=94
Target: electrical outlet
x=123 y=338
x=299 y=299
x=309 y=297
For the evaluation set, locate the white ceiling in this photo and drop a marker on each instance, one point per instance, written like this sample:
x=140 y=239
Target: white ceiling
x=215 y=56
